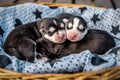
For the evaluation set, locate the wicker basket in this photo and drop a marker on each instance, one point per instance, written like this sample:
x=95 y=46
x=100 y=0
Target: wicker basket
x=107 y=74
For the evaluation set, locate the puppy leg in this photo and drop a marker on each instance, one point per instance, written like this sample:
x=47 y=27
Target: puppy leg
x=27 y=50
x=45 y=48
x=42 y=50
x=12 y=51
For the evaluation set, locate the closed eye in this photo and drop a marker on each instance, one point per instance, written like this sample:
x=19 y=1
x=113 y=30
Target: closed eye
x=50 y=33
x=69 y=26
x=81 y=28
x=52 y=29
x=65 y=20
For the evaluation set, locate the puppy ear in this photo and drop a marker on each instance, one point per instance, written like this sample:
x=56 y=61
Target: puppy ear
x=40 y=27
x=39 y=44
x=83 y=21
x=37 y=28
x=65 y=20
x=39 y=23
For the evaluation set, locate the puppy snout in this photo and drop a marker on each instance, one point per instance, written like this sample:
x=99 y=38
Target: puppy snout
x=72 y=36
x=61 y=36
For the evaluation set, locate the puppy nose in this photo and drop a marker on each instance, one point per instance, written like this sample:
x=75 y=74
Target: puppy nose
x=72 y=36
x=61 y=35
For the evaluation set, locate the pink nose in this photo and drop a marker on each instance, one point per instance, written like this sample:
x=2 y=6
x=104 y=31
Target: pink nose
x=61 y=36
x=72 y=36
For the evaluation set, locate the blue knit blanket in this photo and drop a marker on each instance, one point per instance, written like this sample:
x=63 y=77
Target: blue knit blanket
x=108 y=20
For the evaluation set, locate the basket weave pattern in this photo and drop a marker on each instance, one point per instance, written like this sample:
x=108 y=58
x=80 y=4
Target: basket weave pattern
x=108 y=74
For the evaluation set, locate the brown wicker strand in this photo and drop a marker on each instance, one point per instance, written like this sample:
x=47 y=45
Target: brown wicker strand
x=111 y=72
x=108 y=74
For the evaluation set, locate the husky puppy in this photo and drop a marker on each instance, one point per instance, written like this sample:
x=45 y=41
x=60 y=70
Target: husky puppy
x=21 y=42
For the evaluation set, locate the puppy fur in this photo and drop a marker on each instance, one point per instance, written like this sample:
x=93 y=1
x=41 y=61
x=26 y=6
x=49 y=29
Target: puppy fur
x=76 y=26
x=79 y=38
x=54 y=30
x=21 y=42
x=64 y=17
x=97 y=41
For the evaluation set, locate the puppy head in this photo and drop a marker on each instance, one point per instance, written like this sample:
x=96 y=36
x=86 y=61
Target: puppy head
x=64 y=17
x=76 y=28
x=52 y=29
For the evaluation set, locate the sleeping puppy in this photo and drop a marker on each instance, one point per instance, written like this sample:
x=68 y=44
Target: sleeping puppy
x=77 y=30
x=21 y=42
x=79 y=39
x=76 y=27
x=53 y=29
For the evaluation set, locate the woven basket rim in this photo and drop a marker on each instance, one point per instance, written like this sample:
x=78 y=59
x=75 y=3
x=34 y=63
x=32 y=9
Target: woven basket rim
x=107 y=74
x=54 y=4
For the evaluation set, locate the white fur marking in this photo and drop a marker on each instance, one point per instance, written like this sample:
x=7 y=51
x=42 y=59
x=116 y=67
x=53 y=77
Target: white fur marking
x=62 y=25
x=51 y=38
x=60 y=32
x=52 y=29
x=75 y=23
x=81 y=26
x=41 y=30
x=65 y=20
x=55 y=22
x=70 y=25
x=48 y=37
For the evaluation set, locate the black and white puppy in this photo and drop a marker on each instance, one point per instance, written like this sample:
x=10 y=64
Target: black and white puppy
x=21 y=42
x=53 y=29
x=77 y=29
